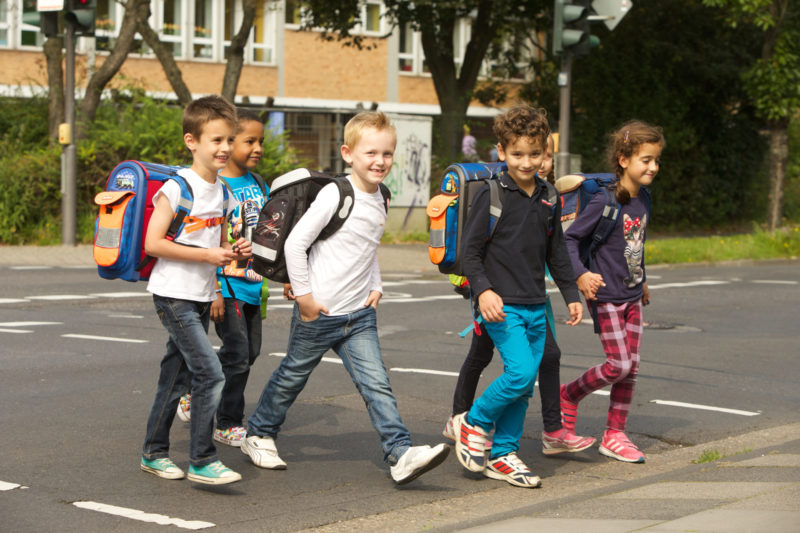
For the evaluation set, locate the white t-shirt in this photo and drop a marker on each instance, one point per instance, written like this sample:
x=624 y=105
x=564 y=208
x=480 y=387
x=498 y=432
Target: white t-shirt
x=341 y=270
x=190 y=280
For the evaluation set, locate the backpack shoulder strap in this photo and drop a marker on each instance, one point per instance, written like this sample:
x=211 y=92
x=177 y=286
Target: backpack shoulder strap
x=552 y=199
x=343 y=210
x=183 y=209
x=495 y=205
x=260 y=182
x=608 y=219
x=227 y=194
x=387 y=195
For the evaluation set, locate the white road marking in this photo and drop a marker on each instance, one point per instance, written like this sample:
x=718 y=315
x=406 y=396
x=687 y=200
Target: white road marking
x=705 y=407
x=55 y=297
x=125 y=316
x=12 y=300
x=324 y=359
x=98 y=338
x=774 y=282
x=5 y=485
x=687 y=284
x=30 y=267
x=135 y=514
x=424 y=371
x=3 y=330
x=119 y=294
x=27 y=324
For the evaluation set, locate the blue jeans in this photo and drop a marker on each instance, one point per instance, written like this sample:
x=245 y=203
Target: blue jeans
x=354 y=337
x=502 y=406
x=241 y=344
x=190 y=359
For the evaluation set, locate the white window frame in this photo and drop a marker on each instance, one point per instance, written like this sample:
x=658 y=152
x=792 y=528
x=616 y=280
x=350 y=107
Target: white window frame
x=270 y=26
x=6 y=25
x=361 y=27
x=15 y=8
x=524 y=65
x=179 y=38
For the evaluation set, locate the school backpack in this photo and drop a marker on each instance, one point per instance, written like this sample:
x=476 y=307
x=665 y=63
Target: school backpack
x=290 y=196
x=448 y=210
x=125 y=208
x=577 y=190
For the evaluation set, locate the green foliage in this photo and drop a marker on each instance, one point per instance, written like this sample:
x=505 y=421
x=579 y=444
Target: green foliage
x=708 y=456
x=126 y=127
x=683 y=74
x=791 y=194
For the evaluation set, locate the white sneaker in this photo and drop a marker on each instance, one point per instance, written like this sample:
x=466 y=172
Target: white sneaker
x=263 y=452
x=417 y=460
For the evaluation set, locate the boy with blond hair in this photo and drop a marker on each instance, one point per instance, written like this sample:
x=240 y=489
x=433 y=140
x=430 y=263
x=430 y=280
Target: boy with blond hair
x=507 y=276
x=337 y=286
x=183 y=284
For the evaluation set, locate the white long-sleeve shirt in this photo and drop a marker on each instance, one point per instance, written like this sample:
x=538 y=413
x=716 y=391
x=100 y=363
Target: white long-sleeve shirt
x=341 y=270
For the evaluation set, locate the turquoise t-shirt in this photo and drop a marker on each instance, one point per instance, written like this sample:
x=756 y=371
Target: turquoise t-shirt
x=246 y=284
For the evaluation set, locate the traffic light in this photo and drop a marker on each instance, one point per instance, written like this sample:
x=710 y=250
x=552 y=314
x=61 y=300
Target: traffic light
x=571 y=27
x=81 y=14
x=47 y=21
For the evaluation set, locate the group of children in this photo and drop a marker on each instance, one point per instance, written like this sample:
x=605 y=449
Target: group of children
x=336 y=285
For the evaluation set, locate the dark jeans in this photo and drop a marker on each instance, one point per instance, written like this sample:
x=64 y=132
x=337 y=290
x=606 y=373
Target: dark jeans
x=190 y=359
x=241 y=345
x=480 y=355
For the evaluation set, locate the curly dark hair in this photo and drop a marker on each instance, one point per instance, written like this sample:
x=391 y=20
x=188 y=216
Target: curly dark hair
x=521 y=121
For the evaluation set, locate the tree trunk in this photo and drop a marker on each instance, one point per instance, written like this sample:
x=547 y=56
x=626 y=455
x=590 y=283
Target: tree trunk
x=778 y=158
x=55 y=83
x=235 y=56
x=167 y=60
x=87 y=109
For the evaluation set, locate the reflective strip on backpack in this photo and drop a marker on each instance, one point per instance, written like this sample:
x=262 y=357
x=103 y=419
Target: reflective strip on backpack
x=437 y=238
x=107 y=237
x=262 y=251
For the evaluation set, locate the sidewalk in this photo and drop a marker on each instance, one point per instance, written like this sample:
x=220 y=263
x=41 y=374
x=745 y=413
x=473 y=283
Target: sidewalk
x=393 y=258
x=754 y=488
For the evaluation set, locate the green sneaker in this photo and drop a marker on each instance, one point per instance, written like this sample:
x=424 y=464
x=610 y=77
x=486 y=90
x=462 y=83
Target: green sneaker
x=214 y=473
x=163 y=468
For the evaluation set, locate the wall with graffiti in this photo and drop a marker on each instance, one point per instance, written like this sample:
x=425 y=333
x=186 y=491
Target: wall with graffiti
x=411 y=172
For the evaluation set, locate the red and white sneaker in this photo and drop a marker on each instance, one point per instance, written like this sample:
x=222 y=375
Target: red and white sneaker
x=450 y=433
x=617 y=445
x=470 y=444
x=511 y=469
x=564 y=441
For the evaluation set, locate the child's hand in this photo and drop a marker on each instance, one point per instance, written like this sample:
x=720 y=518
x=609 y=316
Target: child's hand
x=575 y=313
x=588 y=283
x=287 y=291
x=242 y=248
x=217 y=311
x=219 y=257
x=373 y=299
x=645 y=294
x=491 y=306
x=309 y=308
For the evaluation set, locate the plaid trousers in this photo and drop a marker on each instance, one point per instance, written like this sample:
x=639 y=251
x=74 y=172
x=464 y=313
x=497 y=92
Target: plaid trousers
x=621 y=336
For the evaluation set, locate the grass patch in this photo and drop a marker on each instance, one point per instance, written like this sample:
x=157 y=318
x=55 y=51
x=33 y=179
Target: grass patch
x=708 y=456
x=783 y=243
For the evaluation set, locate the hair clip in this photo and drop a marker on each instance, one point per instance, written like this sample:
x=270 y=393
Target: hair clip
x=627 y=133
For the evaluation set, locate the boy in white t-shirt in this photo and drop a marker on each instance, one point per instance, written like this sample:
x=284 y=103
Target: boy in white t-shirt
x=337 y=285
x=183 y=283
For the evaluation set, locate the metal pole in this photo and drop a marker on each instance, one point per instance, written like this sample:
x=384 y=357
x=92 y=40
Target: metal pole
x=564 y=107
x=68 y=199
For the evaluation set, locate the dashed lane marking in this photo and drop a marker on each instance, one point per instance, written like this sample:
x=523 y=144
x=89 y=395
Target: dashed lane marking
x=27 y=324
x=5 y=485
x=705 y=407
x=99 y=338
x=5 y=330
x=135 y=514
x=775 y=282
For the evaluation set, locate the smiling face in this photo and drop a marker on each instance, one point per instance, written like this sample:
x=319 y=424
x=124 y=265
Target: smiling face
x=524 y=158
x=371 y=157
x=247 y=149
x=641 y=168
x=212 y=149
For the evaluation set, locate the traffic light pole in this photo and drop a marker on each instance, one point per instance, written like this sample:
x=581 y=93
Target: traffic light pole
x=564 y=106
x=69 y=153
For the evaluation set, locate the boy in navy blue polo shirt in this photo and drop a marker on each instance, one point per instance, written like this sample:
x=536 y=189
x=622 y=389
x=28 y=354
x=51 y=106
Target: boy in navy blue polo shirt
x=507 y=275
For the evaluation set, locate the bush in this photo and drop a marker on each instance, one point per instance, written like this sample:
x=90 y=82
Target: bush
x=129 y=127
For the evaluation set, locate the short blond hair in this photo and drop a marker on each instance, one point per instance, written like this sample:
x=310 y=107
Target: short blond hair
x=355 y=127
x=203 y=110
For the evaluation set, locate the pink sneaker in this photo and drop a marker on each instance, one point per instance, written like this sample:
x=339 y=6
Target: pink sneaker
x=564 y=441
x=616 y=444
x=569 y=411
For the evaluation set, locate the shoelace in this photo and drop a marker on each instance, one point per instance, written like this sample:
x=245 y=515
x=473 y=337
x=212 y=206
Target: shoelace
x=218 y=467
x=164 y=463
x=516 y=463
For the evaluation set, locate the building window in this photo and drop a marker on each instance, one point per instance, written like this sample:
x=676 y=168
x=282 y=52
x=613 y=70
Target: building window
x=410 y=56
x=516 y=54
x=371 y=17
x=202 y=43
x=106 y=25
x=260 y=45
x=293 y=12
x=29 y=35
x=172 y=28
x=4 y=24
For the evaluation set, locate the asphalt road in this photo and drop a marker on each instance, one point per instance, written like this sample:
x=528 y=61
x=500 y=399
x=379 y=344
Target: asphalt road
x=79 y=361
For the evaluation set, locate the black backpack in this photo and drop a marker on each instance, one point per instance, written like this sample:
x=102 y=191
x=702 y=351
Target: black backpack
x=289 y=198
